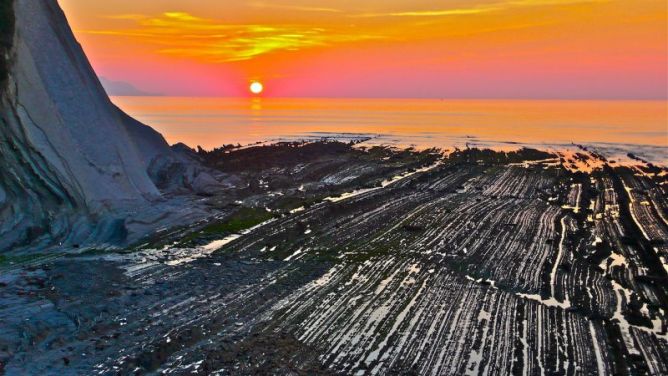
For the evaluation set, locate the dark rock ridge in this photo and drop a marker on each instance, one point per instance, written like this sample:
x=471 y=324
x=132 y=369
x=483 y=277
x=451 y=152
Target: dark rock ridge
x=73 y=166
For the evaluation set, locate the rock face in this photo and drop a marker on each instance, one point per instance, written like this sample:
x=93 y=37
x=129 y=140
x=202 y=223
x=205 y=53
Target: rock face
x=71 y=163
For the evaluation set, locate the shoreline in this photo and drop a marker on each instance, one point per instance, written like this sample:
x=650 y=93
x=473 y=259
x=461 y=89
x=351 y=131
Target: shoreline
x=497 y=235
x=221 y=195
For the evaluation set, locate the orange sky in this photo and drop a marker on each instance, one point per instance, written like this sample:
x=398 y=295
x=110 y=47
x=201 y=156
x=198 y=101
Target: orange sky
x=381 y=48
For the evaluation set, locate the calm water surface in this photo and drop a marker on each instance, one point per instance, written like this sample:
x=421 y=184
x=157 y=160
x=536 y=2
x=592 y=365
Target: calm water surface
x=212 y=122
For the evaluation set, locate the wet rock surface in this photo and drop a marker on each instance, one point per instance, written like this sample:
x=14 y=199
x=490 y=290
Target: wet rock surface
x=481 y=263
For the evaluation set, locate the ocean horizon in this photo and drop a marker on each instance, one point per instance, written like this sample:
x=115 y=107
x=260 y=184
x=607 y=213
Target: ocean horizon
x=615 y=126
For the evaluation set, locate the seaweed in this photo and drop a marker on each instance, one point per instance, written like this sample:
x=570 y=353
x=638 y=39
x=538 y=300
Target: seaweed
x=243 y=219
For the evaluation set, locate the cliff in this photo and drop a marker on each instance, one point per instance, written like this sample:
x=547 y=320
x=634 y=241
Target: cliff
x=73 y=167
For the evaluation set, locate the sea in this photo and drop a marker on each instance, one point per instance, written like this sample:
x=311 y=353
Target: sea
x=614 y=128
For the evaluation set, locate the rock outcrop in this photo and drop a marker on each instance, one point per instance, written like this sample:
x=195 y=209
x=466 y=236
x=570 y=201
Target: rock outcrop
x=73 y=166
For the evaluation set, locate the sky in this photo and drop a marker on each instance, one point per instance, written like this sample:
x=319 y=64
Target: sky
x=543 y=49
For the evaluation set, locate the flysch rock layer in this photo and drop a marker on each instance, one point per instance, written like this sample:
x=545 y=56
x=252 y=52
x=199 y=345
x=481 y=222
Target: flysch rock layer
x=73 y=167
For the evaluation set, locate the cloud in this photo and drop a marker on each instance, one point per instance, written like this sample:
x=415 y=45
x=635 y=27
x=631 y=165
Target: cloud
x=552 y=2
x=185 y=35
x=491 y=7
x=263 y=5
x=430 y=13
x=131 y=17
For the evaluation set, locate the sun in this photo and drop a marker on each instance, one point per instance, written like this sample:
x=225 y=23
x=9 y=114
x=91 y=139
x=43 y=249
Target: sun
x=256 y=87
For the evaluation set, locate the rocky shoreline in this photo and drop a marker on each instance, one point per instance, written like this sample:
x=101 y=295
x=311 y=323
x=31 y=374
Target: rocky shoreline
x=121 y=255
x=478 y=262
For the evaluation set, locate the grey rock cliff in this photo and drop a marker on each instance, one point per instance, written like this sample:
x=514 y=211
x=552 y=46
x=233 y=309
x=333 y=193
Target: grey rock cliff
x=72 y=165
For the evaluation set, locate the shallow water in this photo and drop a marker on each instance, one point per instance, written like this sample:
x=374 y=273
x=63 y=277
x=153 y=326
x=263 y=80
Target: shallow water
x=211 y=122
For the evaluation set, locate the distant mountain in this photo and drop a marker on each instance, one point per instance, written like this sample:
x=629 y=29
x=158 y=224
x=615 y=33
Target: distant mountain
x=123 y=89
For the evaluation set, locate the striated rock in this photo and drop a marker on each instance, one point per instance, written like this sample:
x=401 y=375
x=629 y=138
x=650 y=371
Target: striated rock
x=71 y=163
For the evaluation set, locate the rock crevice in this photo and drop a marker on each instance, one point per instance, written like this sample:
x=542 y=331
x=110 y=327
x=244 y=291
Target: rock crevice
x=71 y=163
